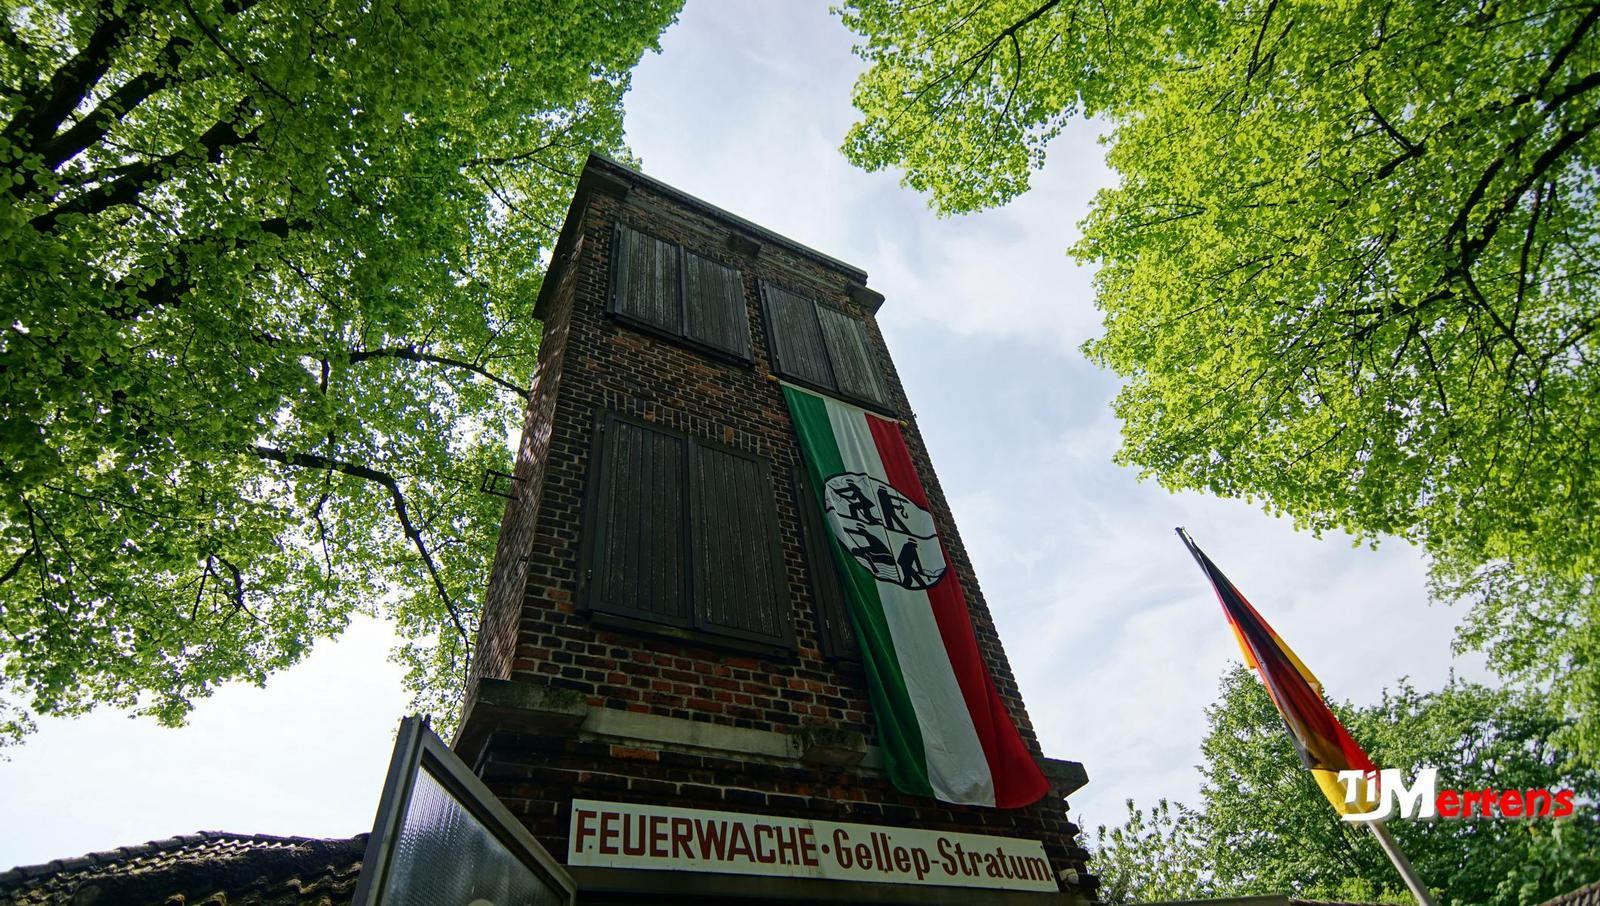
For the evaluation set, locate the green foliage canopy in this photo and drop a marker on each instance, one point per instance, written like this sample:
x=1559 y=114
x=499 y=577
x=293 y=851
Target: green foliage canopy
x=268 y=267
x=1351 y=266
x=1151 y=856
x=1264 y=827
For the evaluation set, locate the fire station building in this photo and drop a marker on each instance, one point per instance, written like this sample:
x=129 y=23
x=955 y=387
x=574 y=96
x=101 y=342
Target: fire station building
x=670 y=689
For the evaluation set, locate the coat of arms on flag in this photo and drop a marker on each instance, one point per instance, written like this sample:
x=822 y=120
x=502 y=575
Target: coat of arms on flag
x=884 y=530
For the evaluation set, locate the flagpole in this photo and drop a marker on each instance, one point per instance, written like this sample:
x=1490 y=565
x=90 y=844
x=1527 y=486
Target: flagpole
x=1401 y=863
x=1224 y=587
x=1189 y=543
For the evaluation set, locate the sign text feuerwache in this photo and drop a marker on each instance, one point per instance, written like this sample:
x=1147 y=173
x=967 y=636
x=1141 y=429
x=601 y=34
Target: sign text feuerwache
x=620 y=835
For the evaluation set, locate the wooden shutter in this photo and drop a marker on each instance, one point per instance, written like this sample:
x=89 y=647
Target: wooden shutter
x=855 y=371
x=638 y=522
x=834 y=632
x=741 y=587
x=797 y=345
x=645 y=280
x=713 y=298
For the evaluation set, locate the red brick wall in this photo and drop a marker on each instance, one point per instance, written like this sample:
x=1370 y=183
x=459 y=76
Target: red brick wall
x=592 y=364
x=497 y=631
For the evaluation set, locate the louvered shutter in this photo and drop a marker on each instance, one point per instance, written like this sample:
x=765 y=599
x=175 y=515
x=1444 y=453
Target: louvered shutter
x=855 y=371
x=741 y=587
x=645 y=283
x=834 y=632
x=638 y=523
x=797 y=344
x=714 y=311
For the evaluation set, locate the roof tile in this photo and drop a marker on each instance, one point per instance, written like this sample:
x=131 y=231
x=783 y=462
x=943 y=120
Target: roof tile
x=210 y=867
x=1583 y=896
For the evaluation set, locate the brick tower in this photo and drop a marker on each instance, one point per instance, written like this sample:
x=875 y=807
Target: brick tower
x=665 y=639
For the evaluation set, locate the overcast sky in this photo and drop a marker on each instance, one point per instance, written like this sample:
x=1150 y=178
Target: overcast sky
x=1115 y=637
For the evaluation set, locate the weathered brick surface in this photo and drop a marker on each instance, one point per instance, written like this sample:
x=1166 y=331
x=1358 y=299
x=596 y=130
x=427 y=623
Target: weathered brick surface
x=497 y=633
x=536 y=630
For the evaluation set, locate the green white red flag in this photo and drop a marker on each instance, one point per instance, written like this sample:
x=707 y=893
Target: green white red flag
x=942 y=727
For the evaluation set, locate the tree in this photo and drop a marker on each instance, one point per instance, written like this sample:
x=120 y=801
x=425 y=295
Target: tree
x=268 y=267
x=1154 y=858
x=1264 y=827
x=1350 y=269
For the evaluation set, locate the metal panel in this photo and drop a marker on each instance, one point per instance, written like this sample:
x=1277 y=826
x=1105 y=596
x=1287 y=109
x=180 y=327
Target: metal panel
x=443 y=856
x=646 y=280
x=441 y=837
x=797 y=346
x=639 y=518
x=714 y=309
x=854 y=368
x=741 y=588
x=834 y=631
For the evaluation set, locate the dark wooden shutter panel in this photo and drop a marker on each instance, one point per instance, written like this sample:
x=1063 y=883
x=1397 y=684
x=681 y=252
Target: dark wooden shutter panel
x=797 y=344
x=646 y=280
x=855 y=371
x=713 y=298
x=741 y=587
x=837 y=637
x=638 y=522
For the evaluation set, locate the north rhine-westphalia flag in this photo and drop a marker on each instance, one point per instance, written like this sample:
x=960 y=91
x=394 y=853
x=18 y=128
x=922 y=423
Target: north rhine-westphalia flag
x=1324 y=744
x=942 y=727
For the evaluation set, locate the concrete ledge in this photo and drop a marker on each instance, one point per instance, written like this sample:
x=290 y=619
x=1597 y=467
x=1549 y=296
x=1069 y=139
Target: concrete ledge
x=523 y=707
x=603 y=183
x=707 y=884
x=631 y=726
x=870 y=299
x=519 y=707
x=1066 y=777
x=829 y=747
x=826 y=747
x=743 y=245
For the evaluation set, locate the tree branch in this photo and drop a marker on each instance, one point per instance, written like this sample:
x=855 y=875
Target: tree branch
x=1255 y=52
x=168 y=290
x=978 y=58
x=401 y=510
x=237 y=595
x=1411 y=148
x=127 y=188
x=522 y=156
x=411 y=353
x=97 y=122
x=41 y=113
x=981 y=56
x=15 y=568
x=216 y=39
x=1559 y=58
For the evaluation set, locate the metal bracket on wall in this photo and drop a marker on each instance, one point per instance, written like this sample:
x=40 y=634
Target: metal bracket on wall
x=494 y=480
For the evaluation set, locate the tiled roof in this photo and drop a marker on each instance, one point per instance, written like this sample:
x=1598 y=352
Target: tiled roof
x=209 y=868
x=1583 y=896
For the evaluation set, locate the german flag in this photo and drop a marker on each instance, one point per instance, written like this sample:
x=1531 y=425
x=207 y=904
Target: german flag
x=1324 y=744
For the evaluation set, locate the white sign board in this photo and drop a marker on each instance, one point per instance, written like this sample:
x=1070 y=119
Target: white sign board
x=621 y=835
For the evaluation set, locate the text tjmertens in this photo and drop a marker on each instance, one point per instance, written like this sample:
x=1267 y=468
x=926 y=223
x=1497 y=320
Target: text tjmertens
x=1423 y=799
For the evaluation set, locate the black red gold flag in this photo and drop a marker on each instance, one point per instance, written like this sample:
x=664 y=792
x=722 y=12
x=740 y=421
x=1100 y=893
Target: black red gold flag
x=1324 y=744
